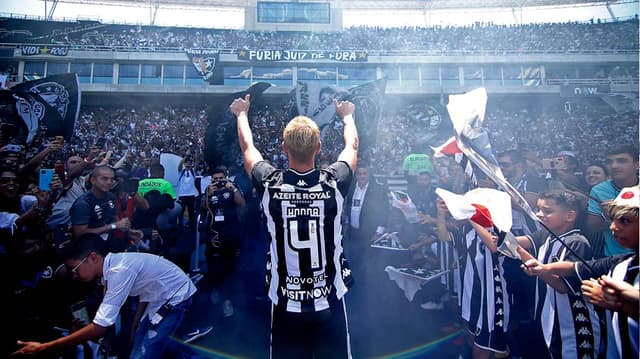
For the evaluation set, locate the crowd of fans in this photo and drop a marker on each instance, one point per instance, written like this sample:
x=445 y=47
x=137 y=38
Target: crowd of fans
x=586 y=129
x=480 y=37
x=545 y=130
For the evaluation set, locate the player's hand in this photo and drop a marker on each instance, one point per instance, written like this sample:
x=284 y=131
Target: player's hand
x=240 y=105
x=344 y=108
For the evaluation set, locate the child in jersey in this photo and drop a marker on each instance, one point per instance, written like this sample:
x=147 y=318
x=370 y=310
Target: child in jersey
x=569 y=324
x=611 y=290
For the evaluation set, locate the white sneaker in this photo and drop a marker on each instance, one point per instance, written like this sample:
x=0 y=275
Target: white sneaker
x=197 y=333
x=227 y=308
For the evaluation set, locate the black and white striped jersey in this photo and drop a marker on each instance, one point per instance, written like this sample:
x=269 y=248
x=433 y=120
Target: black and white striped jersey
x=622 y=330
x=570 y=324
x=303 y=212
x=485 y=304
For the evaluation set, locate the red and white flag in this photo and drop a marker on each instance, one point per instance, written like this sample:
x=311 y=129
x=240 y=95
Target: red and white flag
x=485 y=206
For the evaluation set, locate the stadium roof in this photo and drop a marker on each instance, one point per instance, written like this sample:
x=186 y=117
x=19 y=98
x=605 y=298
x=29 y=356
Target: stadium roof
x=349 y=4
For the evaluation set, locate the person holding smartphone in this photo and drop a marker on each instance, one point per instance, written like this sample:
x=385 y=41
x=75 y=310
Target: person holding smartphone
x=164 y=294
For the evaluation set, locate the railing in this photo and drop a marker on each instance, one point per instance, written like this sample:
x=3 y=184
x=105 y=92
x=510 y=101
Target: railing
x=497 y=52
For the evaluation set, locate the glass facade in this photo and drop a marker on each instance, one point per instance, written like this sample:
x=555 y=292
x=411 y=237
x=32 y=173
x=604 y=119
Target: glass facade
x=429 y=76
x=150 y=74
x=392 y=74
x=83 y=69
x=410 y=75
x=33 y=70
x=56 y=68
x=237 y=75
x=102 y=73
x=450 y=76
x=352 y=76
x=472 y=75
x=173 y=74
x=128 y=74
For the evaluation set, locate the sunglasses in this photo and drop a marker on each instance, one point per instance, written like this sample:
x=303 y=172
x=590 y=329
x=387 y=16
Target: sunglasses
x=74 y=270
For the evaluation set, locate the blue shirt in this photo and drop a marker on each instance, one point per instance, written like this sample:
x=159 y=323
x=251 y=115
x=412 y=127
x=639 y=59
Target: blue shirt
x=603 y=192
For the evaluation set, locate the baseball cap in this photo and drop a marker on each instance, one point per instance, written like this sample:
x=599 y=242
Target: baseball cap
x=628 y=197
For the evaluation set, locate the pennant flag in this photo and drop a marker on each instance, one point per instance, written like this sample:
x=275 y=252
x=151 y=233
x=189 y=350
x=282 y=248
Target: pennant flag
x=52 y=101
x=220 y=147
x=466 y=112
x=207 y=64
x=450 y=148
x=316 y=102
x=485 y=206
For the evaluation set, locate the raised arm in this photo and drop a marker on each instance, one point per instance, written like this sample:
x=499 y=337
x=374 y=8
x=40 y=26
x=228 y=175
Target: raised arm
x=349 y=154
x=250 y=154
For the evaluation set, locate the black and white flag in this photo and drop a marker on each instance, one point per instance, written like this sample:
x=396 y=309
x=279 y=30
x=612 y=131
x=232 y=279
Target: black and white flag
x=52 y=101
x=206 y=63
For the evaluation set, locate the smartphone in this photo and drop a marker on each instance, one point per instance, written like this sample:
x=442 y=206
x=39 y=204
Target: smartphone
x=557 y=163
x=79 y=311
x=401 y=195
x=44 y=182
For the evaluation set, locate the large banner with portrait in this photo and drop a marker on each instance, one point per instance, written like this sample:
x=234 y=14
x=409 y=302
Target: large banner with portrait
x=315 y=100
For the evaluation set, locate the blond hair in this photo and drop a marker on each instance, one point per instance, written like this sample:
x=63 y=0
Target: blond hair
x=615 y=211
x=301 y=137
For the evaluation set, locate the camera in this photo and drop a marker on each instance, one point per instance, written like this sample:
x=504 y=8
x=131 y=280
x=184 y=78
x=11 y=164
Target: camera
x=221 y=183
x=556 y=163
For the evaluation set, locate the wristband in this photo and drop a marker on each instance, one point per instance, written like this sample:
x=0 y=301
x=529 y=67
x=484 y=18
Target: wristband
x=113 y=226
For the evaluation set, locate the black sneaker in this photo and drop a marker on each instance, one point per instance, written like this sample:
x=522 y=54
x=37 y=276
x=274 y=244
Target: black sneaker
x=197 y=333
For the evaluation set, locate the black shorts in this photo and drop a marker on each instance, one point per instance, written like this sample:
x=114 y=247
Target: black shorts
x=322 y=334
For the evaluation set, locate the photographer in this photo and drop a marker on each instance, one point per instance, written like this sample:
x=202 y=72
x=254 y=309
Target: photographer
x=222 y=229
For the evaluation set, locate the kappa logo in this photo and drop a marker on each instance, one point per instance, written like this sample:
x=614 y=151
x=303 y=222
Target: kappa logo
x=584 y=331
x=581 y=318
x=301 y=183
x=578 y=305
x=585 y=345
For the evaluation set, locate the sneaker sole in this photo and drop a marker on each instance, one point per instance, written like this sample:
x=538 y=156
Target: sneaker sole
x=198 y=336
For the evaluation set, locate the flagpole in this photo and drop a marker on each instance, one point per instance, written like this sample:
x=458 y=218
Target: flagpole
x=582 y=260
